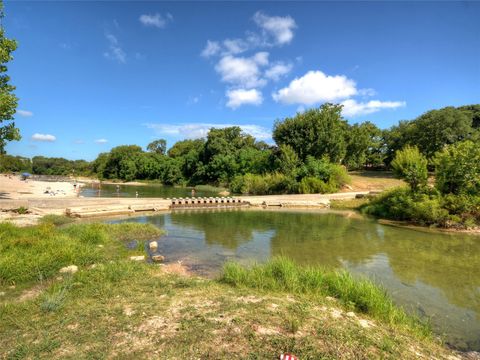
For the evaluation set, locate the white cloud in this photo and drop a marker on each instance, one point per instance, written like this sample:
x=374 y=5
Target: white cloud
x=239 y=97
x=280 y=28
x=367 y=92
x=199 y=130
x=156 y=20
x=43 y=137
x=212 y=48
x=316 y=87
x=241 y=71
x=276 y=71
x=24 y=113
x=101 y=141
x=353 y=108
x=235 y=46
x=114 y=52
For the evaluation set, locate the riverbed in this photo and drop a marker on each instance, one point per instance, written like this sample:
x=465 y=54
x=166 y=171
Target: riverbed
x=433 y=275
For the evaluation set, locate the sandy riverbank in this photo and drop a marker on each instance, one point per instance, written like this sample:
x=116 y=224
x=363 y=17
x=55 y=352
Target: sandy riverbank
x=14 y=188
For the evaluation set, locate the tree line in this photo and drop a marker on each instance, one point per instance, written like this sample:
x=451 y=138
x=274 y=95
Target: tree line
x=311 y=152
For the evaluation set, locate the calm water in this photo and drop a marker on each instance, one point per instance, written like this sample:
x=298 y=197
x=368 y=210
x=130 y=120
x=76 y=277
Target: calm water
x=159 y=191
x=432 y=274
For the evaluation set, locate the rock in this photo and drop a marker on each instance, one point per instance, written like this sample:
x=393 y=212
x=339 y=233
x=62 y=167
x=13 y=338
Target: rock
x=351 y=314
x=224 y=193
x=158 y=258
x=153 y=245
x=137 y=258
x=72 y=269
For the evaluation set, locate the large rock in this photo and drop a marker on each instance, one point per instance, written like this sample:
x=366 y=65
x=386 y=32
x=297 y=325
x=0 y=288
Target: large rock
x=72 y=269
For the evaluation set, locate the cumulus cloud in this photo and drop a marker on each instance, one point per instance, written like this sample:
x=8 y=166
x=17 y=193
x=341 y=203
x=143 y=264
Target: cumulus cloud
x=199 y=130
x=353 y=108
x=24 y=113
x=239 y=97
x=101 y=141
x=115 y=51
x=242 y=71
x=43 y=137
x=212 y=48
x=156 y=20
x=279 y=28
x=275 y=31
x=277 y=71
x=316 y=87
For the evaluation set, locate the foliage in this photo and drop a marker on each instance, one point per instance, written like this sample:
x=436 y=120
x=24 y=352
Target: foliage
x=333 y=174
x=158 y=146
x=426 y=208
x=411 y=166
x=8 y=100
x=315 y=132
x=268 y=184
x=364 y=146
x=313 y=185
x=457 y=169
x=59 y=166
x=9 y=163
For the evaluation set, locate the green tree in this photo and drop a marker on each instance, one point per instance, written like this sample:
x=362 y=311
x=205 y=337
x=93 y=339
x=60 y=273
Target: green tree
x=410 y=165
x=457 y=169
x=158 y=146
x=8 y=100
x=364 y=146
x=287 y=161
x=315 y=132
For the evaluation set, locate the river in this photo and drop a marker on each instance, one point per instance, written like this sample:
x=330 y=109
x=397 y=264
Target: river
x=431 y=274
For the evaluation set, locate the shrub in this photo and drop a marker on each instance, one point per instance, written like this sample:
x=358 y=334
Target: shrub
x=457 y=169
x=410 y=165
x=274 y=183
x=313 y=185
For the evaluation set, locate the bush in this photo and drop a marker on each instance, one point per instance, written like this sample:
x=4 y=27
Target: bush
x=274 y=183
x=410 y=165
x=313 y=185
x=457 y=169
x=427 y=208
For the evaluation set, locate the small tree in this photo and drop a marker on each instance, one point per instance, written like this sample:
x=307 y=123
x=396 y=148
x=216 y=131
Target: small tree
x=158 y=146
x=8 y=100
x=410 y=165
x=457 y=169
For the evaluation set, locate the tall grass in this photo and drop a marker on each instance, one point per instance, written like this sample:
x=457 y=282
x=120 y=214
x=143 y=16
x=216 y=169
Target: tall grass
x=283 y=275
x=38 y=252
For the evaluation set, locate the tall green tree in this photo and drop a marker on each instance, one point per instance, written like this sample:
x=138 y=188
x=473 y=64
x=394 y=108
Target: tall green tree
x=364 y=146
x=410 y=165
x=8 y=100
x=457 y=169
x=315 y=132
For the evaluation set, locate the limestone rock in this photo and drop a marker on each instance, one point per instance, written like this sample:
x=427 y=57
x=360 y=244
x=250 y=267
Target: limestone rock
x=158 y=258
x=72 y=269
x=137 y=258
x=153 y=245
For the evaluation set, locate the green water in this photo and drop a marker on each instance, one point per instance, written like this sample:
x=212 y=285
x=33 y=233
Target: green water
x=434 y=275
x=144 y=191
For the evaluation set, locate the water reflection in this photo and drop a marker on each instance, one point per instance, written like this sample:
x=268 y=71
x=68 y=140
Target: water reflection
x=432 y=274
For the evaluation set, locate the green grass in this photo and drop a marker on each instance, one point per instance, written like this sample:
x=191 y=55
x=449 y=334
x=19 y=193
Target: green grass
x=126 y=309
x=57 y=220
x=283 y=275
x=350 y=204
x=38 y=252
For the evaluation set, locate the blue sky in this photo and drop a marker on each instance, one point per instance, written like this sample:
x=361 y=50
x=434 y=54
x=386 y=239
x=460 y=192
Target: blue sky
x=94 y=75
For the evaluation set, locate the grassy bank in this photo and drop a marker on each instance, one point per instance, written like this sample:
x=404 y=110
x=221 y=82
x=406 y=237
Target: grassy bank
x=125 y=309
